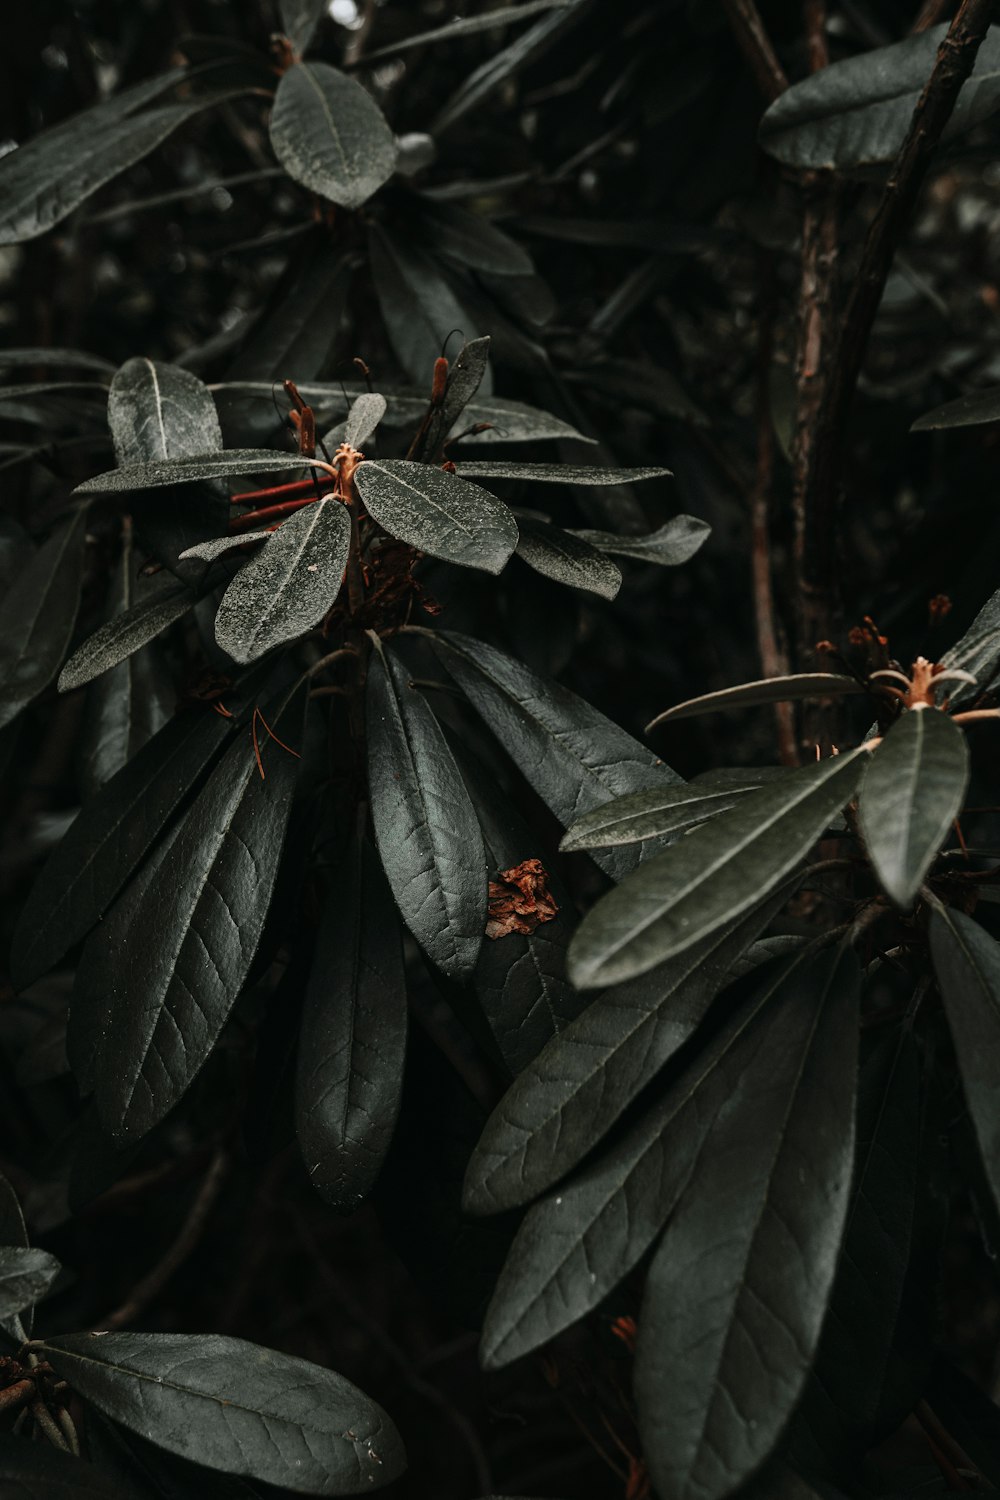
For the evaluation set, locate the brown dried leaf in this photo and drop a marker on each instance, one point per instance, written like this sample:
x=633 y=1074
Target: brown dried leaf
x=520 y=900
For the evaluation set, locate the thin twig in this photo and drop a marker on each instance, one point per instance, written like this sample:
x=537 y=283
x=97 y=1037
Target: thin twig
x=151 y=1284
x=929 y=15
x=755 y=44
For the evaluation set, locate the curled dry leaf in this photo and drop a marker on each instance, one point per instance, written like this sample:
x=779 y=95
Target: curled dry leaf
x=520 y=900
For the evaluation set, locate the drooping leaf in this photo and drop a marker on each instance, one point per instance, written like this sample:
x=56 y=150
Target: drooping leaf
x=977 y=652
x=490 y=20
x=717 y=871
x=560 y=555
x=425 y=825
x=353 y=1039
x=973 y=410
x=367 y=411
x=911 y=793
x=234 y=1406
x=737 y=1291
x=25 y=1277
x=37 y=616
x=299 y=19
x=108 y=839
x=651 y=814
x=438 y=513
x=195 y=932
x=293 y=335
x=967 y=966
x=37 y=1471
x=287 y=586
x=419 y=308
x=146 y=476
x=469 y=239
x=573 y=756
x=124 y=634
x=856 y=113
x=554 y=474
x=575 y=1090
x=330 y=135
x=674 y=543
x=769 y=690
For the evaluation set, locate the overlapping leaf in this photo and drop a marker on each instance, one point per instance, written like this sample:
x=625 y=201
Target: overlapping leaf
x=560 y=555
x=737 y=1291
x=438 y=513
x=330 y=135
x=37 y=616
x=768 y=690
x=672 y=544
x=650 y=815
x=234 y=1406
x=25 y=1276
x=119 y=638
x=418 y=305
x=146 y=476
x=709 y=877
x=588 y=474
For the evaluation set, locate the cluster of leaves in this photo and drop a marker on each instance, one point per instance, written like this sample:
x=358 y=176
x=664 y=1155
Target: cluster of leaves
x=304 y=640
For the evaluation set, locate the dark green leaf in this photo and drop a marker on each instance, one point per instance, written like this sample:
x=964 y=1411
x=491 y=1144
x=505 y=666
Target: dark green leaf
x=124 y=634
x=299 y=19
x=25 y=1277
x=978 y=651
x=36 y=1471
x=234 y=1406
x=972 y=410
x=438 y=513
x=969 y=1415
x=469 y=239
x=47 y=388
x=711 y=875
x=145 y=476
x=514 y=422
x=769 y=690
x=109 y=838
x=556 y=474
x=367 y=411
x=737 y=1291
x=564 y=557
x=353 y=1040
x=418 y=306
x=158 y=411
x=37 y=617
x=194 y=934
x=967 y=965
x=218 y=546
x=574 y=757
x=490 y=20
x=55 y=359
x=465 y=376
x=856 y=113
x=648 y=815
x=13 y=1231
x=288 y=585
x=428 y=836
x=330 y=135
x=569 y=1097
x=672 y=544
x=300 y=321
x=911 y=793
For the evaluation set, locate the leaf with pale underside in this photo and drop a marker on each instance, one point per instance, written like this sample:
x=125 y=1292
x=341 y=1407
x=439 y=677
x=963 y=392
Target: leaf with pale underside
x=233 y=461
x=234 y=1406
x=428 y=836
x=719 y=870
x=647 y=815
x=768 y=690
x=672 y=544
x=560 y=555
x=911 y=793
x=581 y=1083
x=366 y=413
x=330 y=135
x=855 y=114
x=737 y=1291
x=438 y=513
x=287 y=586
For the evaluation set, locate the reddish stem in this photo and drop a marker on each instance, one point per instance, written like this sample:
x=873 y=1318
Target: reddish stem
x=295 y=487
x=268 y=513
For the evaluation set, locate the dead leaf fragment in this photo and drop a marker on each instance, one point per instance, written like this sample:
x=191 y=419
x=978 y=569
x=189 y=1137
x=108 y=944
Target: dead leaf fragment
x=520 y=900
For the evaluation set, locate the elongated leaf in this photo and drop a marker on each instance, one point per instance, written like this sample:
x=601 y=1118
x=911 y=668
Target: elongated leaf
x=569 y=1097
x=973 y=410
x=146 y=476
x=574 y=757
x=194 y=935
x=293 y=335
x=470 y=240
x=554 y=474
x=234 y=1406
x=911 y=793
x=490 y=20
x=709 y=877
x=364 y=416
x=856 y=113
x=353 y=1040
x=299 y=19
x=48 y=388
x=769 y=690
x=287 y=587
x=37 y=617
x=330 y=135
x=737 y=1291
x=218 y=546
x=977 y=652
x=673 y=544
x=419 y=308
x=108 y=839
x=967 y=965
x=13 y=1232
x=649 y=815
x=54 y=358
x=36 y=1471
x=118 y=638
x=559 y=555
x=425 y=825
x=158 y=411
x=440 y=514
x=25 y=1276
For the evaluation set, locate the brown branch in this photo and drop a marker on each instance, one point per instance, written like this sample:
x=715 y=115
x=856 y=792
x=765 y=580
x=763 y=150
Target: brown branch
x=929 y=15
x=819 y=492
x=144 y=1291
x=755 y=44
